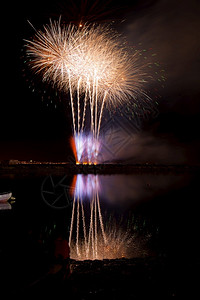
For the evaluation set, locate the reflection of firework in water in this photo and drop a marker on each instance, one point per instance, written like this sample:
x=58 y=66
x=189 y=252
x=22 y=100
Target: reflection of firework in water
x=120 y=243
x=95 y=67
x=89 y=237
x=87 y=187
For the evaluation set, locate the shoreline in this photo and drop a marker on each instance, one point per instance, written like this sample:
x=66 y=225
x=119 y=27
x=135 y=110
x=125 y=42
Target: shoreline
x=69 y=168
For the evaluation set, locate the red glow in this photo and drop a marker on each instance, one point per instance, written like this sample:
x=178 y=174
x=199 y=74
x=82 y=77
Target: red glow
x=73 y=148
x=73 y=185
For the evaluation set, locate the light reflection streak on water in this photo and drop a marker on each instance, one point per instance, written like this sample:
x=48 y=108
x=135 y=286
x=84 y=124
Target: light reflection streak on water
x=87 y=187
x=93 y=236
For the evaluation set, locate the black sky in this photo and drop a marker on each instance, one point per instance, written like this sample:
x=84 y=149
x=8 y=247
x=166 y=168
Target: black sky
x=32 y=130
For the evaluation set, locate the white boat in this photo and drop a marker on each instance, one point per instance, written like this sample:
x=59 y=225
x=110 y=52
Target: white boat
x=4 y=197
x=5 y=206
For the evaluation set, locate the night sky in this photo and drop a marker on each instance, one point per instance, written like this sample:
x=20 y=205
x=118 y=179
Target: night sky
x=32 y=130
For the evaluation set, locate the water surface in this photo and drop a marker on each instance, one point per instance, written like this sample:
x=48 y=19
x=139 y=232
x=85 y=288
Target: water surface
x=141 y=215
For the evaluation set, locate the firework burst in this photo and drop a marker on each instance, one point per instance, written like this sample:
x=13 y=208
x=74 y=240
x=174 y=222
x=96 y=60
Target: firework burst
x=94 y=67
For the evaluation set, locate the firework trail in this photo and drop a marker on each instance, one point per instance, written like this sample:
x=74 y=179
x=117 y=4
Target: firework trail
x=94 y=66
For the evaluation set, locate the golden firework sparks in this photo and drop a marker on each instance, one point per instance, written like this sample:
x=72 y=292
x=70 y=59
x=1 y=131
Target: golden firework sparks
x=93 y=64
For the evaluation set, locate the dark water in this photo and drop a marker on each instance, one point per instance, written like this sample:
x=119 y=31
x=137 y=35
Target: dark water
x=161 y=210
